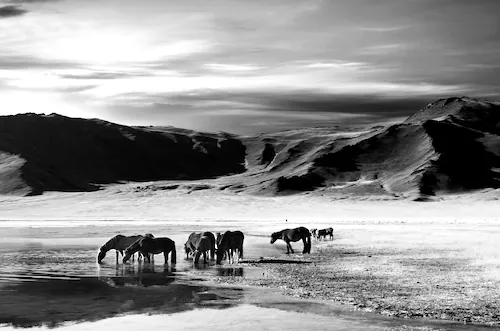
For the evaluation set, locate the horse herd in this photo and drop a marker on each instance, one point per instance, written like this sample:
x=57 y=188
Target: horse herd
x=202 y=244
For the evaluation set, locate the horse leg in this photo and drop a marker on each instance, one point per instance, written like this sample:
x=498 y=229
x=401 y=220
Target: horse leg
x=305 y=245
x=165 y=254
x=290 y=246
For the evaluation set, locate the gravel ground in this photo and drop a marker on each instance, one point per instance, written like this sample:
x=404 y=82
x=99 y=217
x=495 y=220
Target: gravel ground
x=409 y=283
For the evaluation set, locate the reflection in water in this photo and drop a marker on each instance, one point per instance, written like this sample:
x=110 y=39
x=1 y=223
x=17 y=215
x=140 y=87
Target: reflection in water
x=139 y=274
x=238 y=272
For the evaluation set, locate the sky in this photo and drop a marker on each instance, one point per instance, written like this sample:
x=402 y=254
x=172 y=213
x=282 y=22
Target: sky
x=245 y=66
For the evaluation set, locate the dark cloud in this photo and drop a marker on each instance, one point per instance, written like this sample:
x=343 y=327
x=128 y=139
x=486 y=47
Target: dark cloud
x=11 y=11
x=304 y=101
x=11 y=62
x=31 y=1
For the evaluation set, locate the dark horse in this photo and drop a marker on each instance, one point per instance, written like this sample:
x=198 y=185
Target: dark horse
x=325 y=232
x=292 y=235
x=230 y=243
x=202 y=246
x=119 y=243
x=149 y=246
x=190 y=245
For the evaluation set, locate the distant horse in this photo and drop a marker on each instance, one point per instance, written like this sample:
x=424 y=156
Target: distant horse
x=313 y=232
x=149 y=246
x=119 y=243
x=230 y=243
x=325 y=232
x=202 y=246
x=292 y=235
x=190 y=245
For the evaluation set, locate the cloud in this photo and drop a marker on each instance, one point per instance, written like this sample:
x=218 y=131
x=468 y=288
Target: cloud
x=19 y=2
x=336 y=65
x=385 y=49
x=231 y=67
x=305 y=102
x=384 y=29
x=11 y=11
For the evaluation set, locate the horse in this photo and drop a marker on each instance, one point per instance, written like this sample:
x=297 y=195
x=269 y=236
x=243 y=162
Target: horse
x=219 y=237
x=230 y=243
x=292 y=235
x=202 y=246
x=149 y=246
x=325 y=232
x=313 y=232
x=190 y=245
x=119 y=243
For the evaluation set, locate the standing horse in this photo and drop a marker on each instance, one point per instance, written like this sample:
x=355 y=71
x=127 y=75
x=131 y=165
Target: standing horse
x=202 y=246
x=325 y=232
x=292 y=235
x=119 y=243
x=230 y=243
x=149 y=246
x=190 y=245
x=313 y=232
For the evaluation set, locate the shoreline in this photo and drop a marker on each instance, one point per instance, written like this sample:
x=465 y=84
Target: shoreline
x=353 y=277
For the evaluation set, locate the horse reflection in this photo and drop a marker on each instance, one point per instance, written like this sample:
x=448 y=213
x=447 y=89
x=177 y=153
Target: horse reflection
x=237 y=272
x=140 y=275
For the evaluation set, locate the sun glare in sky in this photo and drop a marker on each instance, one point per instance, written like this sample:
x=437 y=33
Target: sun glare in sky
x=182 y=62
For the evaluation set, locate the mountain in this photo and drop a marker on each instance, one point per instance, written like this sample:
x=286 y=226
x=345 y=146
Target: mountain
x=450 y=146
x=56 y=153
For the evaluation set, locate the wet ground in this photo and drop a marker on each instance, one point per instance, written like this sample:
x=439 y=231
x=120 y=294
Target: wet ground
x=49 y=277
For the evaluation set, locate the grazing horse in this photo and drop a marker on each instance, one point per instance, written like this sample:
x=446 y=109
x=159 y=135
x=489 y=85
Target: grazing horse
x=313 y=232
x=292 y=235
x=149 y=246
x=202 y=246
x=190 y=245
x=119 y=243
x=230 y=243
x=325 y=232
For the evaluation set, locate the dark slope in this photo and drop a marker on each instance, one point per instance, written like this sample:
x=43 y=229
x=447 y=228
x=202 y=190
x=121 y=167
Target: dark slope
x=452 y=145
x=70 y=154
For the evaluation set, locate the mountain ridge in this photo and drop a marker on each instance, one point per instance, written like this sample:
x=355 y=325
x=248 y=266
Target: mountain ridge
x=450 y=146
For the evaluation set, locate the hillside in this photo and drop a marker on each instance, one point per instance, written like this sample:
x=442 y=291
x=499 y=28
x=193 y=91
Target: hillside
x=450 y=146
x=55 y=153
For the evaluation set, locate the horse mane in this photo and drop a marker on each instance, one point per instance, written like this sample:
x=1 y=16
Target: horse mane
x=278 y=234
x=112 y=242
x=135 y=246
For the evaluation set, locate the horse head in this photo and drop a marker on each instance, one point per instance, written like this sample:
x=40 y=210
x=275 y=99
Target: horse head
x=275 y=236
x=101 y=254
x=219 y=255
x=130 y=250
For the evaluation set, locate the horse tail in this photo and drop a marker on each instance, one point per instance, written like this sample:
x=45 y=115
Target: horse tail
x=241 y=250
x=173 y=256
